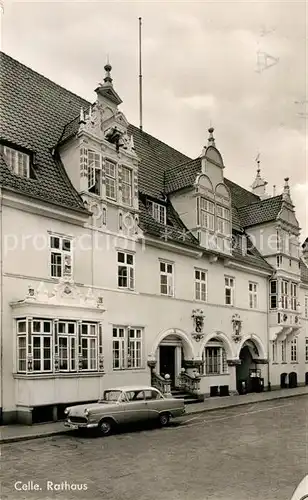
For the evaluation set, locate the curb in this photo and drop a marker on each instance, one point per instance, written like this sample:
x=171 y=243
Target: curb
x=244 y=403
x=28 y=437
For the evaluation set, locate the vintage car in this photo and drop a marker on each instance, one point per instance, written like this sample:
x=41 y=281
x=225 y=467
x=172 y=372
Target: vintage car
x=124 y=405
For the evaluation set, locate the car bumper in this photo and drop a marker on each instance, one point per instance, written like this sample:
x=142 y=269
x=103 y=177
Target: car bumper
x=87 y=425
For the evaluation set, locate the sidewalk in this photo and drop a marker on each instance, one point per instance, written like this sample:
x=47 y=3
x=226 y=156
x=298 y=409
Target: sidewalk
x=12 y=433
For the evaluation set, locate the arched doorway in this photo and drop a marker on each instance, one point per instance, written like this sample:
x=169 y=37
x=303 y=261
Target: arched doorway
x=284 y=380
x=292 y=379
x=248 y=375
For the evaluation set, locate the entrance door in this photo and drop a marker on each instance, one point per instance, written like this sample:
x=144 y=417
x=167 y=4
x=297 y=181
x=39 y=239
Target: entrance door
x=167 y=361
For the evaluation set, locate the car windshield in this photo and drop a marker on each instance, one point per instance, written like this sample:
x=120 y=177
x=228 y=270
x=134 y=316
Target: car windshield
x=111 y=396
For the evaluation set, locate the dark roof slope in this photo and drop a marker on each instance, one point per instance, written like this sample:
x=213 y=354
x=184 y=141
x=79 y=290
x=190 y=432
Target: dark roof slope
x=33 y=113
x=304 y=271
x=261 y=211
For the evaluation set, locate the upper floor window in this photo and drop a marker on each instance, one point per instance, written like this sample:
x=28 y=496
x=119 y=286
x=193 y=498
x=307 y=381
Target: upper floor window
x=157 y=211
x=273 y=294
x=94 y=172
x=223 y=220
x=294 y=350
x=207 y=214
x=253 y=295
x=229 y=291
x=126 y=347
x=60 y=256
x=166 y=279
x=17 y=161
x=200 y=285
x=110 y=173
x=127 y=186
x=126 y=271
x=293 y=296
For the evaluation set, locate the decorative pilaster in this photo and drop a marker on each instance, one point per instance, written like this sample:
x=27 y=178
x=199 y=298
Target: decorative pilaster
x=56 y=344
x=30 y=358
x=79 y=326
x=100 y=348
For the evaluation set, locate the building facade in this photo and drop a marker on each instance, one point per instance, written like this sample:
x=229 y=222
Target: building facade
x=124 y=261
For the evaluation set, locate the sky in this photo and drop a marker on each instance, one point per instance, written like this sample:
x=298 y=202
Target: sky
x=239 y=66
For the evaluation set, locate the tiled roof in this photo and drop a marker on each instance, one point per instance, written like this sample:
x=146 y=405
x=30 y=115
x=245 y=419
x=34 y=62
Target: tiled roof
x=261 y=211
x=33 y=113
x=304 y=271
x=36 y=114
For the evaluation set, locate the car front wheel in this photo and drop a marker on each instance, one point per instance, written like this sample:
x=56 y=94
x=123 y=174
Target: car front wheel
x=106 y=427
x=164 y=419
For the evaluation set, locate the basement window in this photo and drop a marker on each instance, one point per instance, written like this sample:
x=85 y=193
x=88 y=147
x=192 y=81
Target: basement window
x=17 y=161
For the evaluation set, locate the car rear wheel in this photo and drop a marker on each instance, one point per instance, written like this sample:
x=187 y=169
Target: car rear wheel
x=164 y=419
x=106 y=426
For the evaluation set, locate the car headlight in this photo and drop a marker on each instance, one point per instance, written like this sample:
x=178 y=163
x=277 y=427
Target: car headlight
x=86 y=412
x=66 y=411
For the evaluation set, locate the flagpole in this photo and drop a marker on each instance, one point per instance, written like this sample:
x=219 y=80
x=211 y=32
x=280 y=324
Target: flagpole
x=140 y=78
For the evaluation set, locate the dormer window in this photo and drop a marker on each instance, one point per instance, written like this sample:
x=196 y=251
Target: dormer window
x=110 y=172
x=94 y=173
x=207 y=214
x=223 y=220
x=157 y=211
x=127 y=186
x=17 y=161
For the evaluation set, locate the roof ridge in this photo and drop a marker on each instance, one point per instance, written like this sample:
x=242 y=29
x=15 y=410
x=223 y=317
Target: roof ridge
x=43 y=76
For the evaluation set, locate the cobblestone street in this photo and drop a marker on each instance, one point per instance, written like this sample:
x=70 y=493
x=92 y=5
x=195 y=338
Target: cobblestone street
x=258 y=452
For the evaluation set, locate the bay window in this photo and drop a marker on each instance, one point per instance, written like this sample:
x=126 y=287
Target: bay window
x=126 y=347
x=273 y=294
x=89 y=346
x=21 y=346
x=284 y=288
x=223 y=220
x=293 y=296
x=67 y=345
x=41 y=345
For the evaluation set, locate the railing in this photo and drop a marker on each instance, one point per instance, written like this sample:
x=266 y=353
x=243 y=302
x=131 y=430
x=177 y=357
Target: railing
x=163 y=385
x=189 y=383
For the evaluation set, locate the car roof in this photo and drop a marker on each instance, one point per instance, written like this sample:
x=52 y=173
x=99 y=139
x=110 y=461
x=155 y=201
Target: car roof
x=132 y=388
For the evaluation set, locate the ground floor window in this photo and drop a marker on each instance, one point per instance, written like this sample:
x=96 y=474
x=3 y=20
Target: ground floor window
x=214 y=360
x=55 y=345
x=127 y=347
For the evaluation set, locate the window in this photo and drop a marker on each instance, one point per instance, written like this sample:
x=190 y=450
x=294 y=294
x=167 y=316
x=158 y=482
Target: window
x=207 y=214
x=126 y=348
x=35 y=352
x=67 y=345
x=126 y=186
x=166 y=279
x=293 y=296
x=60 y=256
x=253 y=295
x=306 y=307
x=294 y=351
x=283 y=351
x=126 y=271
x=306 y=349
x=279 y=260
x=273 y=294
x=274 y=352
x=17 y=161
x=229 y=291
x=214 y=361
x=41 y=345
x=284 y=287
x=89 y=346
x=200 y=285
x=110 y=173
x=21 y=346
x=94 y=172
x=157 y=211
x=223 y=220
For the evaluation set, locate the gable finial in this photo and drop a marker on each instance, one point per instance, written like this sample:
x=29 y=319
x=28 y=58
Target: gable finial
x=211 y=140
x=81 y=117
x=274 y=190
x=286 y=189
x=108 y=68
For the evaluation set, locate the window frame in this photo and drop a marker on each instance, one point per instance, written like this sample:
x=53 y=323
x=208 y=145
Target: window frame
x=253 y=294
x=170 y=290
x=224 y=220
x=12 y=156
x=207 y=212
x=64 y=255
x=231 y=288
x=158 y=212
x=294 y=351
x=110 y=180
x=126 y=184
x=42 y=336
x=273 y=295
x=130 y=270
x=94 y=172
x=126 y=344
x=72 y=351
x=199 y=281
x=293 y=296
x=306 y=349
x=210 y=359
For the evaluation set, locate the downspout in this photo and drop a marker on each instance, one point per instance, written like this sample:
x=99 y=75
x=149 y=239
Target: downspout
x=268 y=341
x=1 y=308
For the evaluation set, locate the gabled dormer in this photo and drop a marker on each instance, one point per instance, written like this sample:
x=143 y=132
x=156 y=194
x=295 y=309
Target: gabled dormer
x=99 y=156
